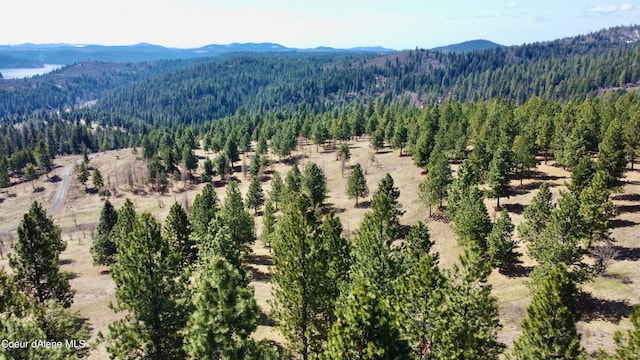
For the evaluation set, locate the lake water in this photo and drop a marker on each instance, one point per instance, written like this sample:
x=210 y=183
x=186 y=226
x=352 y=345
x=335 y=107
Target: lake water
x=26 y=73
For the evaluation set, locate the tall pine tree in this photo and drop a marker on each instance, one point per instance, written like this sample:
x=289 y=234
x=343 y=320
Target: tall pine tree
x=103 y=248
x=36 y=259
x=549 y=329
x=151 y=290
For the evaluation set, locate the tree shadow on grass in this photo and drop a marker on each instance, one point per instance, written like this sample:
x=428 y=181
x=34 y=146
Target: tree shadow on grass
x=626 y=253
x=620 y=223
x=516 y=208
x=626 y=197
x=260 y=260
x=628 y=209
x=592 y=308
x=264 y=319
x=259 y=275
x=518 y=271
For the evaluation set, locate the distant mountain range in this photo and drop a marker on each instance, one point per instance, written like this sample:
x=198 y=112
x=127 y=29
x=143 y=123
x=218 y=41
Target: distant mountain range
x=36 y=55
x=469 y=46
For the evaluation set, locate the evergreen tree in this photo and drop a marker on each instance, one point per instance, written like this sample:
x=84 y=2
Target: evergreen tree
x=498 y=175
x=277 y=189
x=596 y=209
x=189 y=159
x=232 y=152
x=30 y=174
x=433 y=189
x=256 y=165
x=97 y=180
x=239 y=220
x=628 y=345
x=400 y=136
x=36 y=259
x=422 y=149
x=357 y=184
x=581 y=174
x=473 y=322
x=420 y=300
x=43 y=158
x=268 y=224
x=372 y=253
x=5 y=180
x=149 y=288
x=536 y=215
x=177 y=230
x=82 y=173
x=124 y=225
x=204 y=209
x=561 y=239
x=255 y=195
x=225 y=316
x=416 y=245
x=612 y=160
x=314 y=183
x=500 y=243
x=301 y=303
x=222 y=165
x=524 y=155
x=464 y=180
x=472 y=222
x=293 y=180
x=103 y=248
x=549 y=329
x=366 y=328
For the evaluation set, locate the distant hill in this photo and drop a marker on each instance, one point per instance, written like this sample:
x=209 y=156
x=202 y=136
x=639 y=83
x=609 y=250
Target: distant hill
x=13 y=62
x=469 y=46
x=65 y=54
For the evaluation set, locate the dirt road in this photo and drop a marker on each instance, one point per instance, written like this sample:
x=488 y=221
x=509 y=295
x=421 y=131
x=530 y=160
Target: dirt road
x=58 y=199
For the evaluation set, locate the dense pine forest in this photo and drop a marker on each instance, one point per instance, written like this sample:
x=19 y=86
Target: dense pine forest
x=477 y=124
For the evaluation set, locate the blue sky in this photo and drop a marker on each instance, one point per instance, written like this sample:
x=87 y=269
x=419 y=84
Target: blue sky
x=397 y=24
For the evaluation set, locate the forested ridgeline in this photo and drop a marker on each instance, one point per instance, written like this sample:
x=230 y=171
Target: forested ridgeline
x=205 y=89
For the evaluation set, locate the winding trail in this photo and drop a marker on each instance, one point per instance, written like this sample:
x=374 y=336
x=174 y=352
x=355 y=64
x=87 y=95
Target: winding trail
x=58 y=199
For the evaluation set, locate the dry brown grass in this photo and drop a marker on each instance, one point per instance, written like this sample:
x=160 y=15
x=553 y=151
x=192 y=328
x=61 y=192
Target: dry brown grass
x=612 y=295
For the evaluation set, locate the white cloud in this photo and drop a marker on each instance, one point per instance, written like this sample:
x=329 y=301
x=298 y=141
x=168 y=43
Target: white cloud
x=612 y=8
x=512 y=4
x=626 y=7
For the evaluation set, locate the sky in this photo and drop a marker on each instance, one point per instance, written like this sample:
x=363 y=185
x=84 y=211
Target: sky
x=396 y=24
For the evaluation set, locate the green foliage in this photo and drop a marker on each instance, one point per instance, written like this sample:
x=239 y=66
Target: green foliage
x=314 y=183
x=104 y=248
x=416 y=245
x=255 y=195
x=302 y=303
x=366 y=328
x=561 y=239
x=612 y=159
x=628 y=345
x=472 y=222
x=400 y=135
x=343 y=151
x=500 y=243
x=473 y=322
x=596 y=209
x=357 y=184
x=124 y=225
x=204 y=209
x=82 y=173
x=549 y=329
x=421 y=303
x=433 y=189
x=240 y=222
x=177 y=230
x=581 y=174
x=372 y=253
x=422 y=149
x=36 y=259
x=277 y=189
x=225 y=316
x=97 y=180
x=465 y=179
x=150 y=290
x=268 y=224
x=293 y=180
x=536 y=215
x=524 y=155
x=498 y=175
